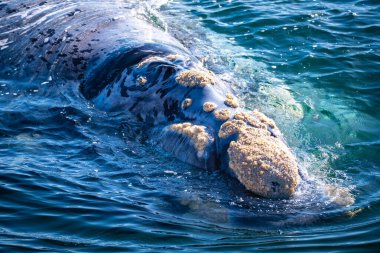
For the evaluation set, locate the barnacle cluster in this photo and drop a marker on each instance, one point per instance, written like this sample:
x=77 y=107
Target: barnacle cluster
x=195 y=77
x=197 y=134
x=262 y=162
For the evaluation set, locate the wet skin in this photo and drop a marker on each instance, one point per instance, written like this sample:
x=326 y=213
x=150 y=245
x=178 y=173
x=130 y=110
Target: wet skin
x=123 y=63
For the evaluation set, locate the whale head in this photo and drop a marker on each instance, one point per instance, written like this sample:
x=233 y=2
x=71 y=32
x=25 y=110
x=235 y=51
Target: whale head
x=248 y=143
x=204 y=123
x=258 y=156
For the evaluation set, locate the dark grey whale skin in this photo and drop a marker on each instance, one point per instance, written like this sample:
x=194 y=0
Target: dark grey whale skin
x=100 y=45
x=67 y=40
x=95 y=45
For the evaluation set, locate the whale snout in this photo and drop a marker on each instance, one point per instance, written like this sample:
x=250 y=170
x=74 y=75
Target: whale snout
x=216 y=131
x=260 y=160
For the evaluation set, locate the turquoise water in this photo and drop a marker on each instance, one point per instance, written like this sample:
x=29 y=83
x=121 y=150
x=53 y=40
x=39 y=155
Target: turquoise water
x=76 y=179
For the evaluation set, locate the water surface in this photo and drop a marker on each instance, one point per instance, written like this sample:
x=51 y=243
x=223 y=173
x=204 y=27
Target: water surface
x=76 y=179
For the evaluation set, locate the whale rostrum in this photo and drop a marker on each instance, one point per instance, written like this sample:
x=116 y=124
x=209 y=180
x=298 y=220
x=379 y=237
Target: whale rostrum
x=123 y=63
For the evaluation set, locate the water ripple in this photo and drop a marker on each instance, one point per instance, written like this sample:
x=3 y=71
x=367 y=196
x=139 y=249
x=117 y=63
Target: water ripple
x=75 y=179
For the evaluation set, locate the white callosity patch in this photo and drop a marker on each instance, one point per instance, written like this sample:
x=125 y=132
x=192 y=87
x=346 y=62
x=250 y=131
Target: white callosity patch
x=198 y=135
x=209 y=106
x=231 y=100
x=223 y=114
x=249 y=119
x=195 y=77
x=261 y=162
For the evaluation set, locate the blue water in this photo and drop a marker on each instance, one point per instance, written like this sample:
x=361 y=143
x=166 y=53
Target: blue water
x=76 y=179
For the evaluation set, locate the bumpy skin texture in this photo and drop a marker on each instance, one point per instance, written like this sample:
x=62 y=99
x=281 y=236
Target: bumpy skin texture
x=261 y=162
x=209 y=129
x=123 y=63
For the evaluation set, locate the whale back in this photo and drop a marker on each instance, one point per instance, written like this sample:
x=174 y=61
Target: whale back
x=67 y=40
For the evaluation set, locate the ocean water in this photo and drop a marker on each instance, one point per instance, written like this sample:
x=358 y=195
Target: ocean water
x=76 y=179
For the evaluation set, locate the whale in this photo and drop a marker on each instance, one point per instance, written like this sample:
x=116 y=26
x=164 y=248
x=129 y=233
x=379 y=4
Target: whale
x=121 y=62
